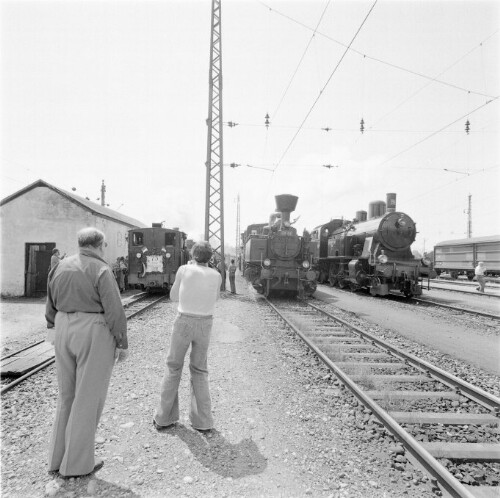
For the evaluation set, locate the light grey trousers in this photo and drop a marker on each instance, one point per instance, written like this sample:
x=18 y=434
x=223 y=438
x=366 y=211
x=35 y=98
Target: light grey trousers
x=84 y=349
x=195 y=331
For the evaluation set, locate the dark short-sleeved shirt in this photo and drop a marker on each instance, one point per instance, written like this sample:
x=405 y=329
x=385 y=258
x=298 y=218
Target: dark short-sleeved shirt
x=85 y=282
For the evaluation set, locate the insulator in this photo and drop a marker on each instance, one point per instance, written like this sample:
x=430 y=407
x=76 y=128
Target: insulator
x=467 y=127
x=267 y=121
x=362 y=125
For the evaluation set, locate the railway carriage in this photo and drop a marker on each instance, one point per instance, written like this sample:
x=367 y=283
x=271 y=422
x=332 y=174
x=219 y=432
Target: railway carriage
x=275 y=258
x=372 y=253
x=461 y=256
x=155 y=254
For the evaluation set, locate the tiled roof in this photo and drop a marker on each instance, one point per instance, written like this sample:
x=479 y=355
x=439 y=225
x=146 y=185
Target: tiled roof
x=93 y=207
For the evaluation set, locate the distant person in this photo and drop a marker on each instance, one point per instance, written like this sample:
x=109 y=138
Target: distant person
x=232 y=276
x=84 y=306
x=55 y=258
x=480 y=277
x=196 y=287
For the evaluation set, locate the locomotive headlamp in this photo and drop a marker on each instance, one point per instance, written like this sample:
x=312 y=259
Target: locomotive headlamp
x=305 y=264
x=168 y=255
x=267 y=262
x=286 y=224
x=382 y=259
x=426 y=261
x=139 y=255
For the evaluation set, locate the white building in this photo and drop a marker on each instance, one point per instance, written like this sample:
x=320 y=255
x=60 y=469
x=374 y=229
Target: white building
x=40 y=217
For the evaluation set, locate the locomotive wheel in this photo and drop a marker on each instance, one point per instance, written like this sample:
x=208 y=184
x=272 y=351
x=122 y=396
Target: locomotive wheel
x=453 y=275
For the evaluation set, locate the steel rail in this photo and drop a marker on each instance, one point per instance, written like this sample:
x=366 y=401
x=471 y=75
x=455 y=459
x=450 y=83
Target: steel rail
x=478 y=395
x=424 y=458
x=456 y=308
x=135 y=313
x=14 y=383
x=21 y=350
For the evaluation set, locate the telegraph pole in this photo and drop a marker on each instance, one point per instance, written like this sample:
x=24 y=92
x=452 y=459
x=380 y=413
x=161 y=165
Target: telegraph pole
x=214 y=207
x=469 y=217
x=103 y=194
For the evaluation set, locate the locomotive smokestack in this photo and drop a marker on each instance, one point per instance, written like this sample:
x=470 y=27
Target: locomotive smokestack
x=391 y=203
x=285 y=204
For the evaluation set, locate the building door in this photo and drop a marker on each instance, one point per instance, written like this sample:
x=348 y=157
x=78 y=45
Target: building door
x=37 y=267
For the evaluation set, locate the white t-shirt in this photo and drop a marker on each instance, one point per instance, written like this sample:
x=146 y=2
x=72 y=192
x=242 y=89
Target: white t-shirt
x=197 y=288
x=480 y=269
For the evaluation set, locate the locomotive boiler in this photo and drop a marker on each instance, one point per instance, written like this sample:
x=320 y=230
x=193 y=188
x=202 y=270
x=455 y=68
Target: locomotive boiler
x=275 y=258
x=373 y=254
x=154 y=255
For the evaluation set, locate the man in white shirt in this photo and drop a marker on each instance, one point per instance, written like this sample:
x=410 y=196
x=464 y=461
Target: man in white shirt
x=481 y=279
x=197 y=288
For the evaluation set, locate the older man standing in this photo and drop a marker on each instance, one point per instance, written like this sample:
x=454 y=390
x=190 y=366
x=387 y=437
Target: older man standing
x=83 y=303
x=196 y=287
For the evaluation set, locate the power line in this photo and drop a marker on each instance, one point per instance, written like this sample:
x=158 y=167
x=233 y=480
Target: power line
x=436 y=132
x=395 y=66
x=300 y=61
x=326 y=84
x=433 y=80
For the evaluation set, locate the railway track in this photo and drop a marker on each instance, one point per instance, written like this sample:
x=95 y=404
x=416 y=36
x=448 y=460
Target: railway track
x=428 y=410
x=427 y=301
x=133 y=307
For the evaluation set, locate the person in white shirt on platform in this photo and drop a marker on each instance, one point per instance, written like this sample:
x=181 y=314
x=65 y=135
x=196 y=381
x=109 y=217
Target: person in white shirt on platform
x=197 y=288
x=481 y=279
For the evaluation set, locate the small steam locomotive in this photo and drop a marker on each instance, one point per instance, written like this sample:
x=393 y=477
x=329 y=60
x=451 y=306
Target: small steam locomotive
x=154 y=256
x=372 y=253
x=275 y=258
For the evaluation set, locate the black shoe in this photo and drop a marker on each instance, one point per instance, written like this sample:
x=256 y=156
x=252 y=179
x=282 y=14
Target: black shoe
x=98 y=466
x=203 y=431
x=159 y=427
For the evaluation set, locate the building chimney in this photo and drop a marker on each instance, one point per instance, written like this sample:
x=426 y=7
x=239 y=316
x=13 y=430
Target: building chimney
x=103 y=194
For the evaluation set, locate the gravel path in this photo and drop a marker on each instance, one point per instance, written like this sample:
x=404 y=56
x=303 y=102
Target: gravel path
x=283 y=426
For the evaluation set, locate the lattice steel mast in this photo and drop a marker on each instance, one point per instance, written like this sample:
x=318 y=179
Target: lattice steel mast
x=214 y=207
x=238 y=235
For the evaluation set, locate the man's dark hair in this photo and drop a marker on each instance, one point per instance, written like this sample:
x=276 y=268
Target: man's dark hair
x=90 y=237
x=232 y=261
x=55 y=250
x=201 y=252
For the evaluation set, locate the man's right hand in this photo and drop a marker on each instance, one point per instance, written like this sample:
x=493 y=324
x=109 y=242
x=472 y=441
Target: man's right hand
x=120 y=355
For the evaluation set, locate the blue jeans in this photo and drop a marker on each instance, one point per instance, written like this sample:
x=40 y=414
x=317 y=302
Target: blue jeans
x=195 y=331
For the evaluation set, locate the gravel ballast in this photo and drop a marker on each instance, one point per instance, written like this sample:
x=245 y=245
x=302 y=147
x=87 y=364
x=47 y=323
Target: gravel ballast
x=284 y=427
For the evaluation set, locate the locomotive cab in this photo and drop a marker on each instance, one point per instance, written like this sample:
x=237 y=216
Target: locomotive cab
x=155 y=254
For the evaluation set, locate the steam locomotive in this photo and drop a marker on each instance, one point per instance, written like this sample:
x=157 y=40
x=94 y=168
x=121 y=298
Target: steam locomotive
x=275 y=258
x=372 y=253
x=154 y=255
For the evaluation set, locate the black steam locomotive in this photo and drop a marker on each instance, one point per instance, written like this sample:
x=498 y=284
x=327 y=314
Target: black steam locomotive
x=275 y=258
x=154 y=255
x=372 y=253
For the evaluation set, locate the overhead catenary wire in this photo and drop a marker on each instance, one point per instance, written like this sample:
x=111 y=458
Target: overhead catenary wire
x=433 y=80
x=300 y=61
x=326 y=84
x=381 y=61
x=436 y=132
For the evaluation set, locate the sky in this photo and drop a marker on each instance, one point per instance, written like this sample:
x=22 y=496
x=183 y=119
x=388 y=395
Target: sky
x=118 y=91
